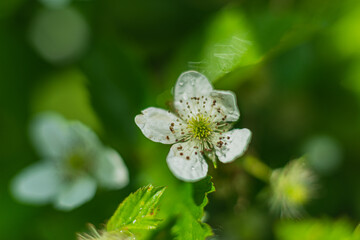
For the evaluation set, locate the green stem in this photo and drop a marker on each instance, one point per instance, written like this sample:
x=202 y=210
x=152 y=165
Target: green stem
x=257 y=168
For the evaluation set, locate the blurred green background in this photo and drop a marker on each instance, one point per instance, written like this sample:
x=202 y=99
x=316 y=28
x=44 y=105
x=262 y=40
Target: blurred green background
x=294 y=65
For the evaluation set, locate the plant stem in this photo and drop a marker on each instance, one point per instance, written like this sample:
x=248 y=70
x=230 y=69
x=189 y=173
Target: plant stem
x=257 y=168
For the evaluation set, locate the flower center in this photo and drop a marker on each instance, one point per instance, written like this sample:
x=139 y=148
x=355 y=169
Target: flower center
x=297 y=193
x=199 y=126
x=76 y=162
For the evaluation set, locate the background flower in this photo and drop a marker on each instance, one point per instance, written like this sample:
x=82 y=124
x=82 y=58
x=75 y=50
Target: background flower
x=73 y=163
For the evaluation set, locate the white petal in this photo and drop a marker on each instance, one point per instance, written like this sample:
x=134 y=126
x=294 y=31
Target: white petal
x=186 y=162
x=226 y=101
x=83 y=137
x=234 y=144
x=156 y=124
x=191 y=84
x=37 y=184
x=50 y=134
x=111 y=170
x=75 y=193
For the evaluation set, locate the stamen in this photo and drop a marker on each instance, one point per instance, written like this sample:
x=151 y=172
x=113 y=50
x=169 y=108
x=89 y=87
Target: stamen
x=200 y=127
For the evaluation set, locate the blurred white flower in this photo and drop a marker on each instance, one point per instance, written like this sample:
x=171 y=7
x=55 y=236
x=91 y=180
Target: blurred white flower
x=292 y=187
x=73 y=163
x=60 y=35
x=323 y=153
x=200 y=127
x=55 y=4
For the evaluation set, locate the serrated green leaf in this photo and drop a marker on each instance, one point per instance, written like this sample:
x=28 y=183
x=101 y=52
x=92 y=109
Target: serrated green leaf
x=189 y=223
x=137 y=211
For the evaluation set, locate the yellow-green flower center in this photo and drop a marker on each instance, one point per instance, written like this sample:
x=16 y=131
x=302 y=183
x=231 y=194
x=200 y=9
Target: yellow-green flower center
x=77 y=162
x=297 y=193
x=200 y=127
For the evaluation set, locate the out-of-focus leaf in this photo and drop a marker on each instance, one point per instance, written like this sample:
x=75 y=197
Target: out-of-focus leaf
x=66 y=93
x=225 y=44
x=351 y=82
x=116 y=84
x=229 y=44
x=138 y=211
x=191 y=209
x=344 y=35
x=315 y=229
x=7 y=7
x=357 y=232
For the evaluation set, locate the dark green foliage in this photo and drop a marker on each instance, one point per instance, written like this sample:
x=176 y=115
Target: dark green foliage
x=298 y=80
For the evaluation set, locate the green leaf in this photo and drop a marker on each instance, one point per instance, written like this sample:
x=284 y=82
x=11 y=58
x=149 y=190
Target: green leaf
x=65 y=92
x=138 y=211
x=200 y=191
x=191 y=210
x=117 y=84
x=229 y=44
x=315 y=229
x=343 y=36
x=357 y=232
x=188 y=227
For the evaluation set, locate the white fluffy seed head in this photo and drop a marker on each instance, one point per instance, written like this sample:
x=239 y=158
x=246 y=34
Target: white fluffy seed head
x=104 y=235
x=292 y=187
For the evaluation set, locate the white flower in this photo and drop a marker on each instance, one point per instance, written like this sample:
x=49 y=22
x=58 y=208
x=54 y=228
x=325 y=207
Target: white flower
x=199 y=127
x=74 y=163
x=292 y=187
